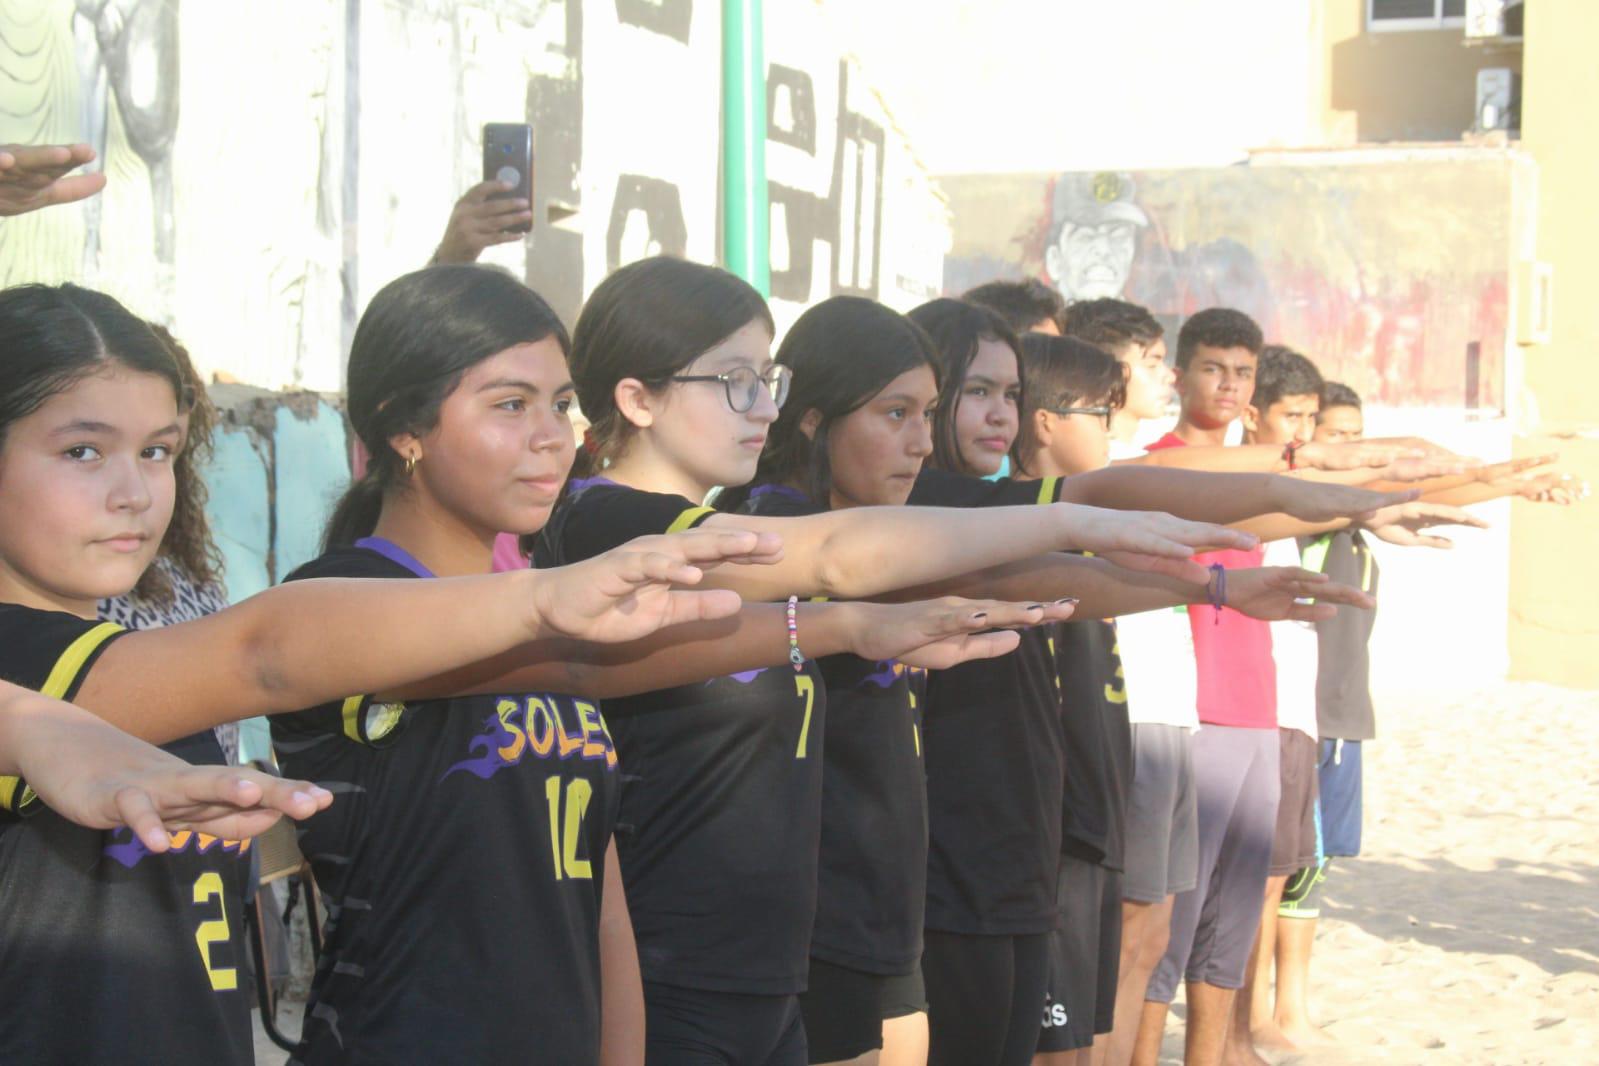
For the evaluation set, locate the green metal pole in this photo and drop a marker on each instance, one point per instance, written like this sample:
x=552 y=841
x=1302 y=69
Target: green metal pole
x=746 y=237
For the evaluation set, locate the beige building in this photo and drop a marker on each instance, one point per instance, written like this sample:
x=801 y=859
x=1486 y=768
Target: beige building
x=1401 y=211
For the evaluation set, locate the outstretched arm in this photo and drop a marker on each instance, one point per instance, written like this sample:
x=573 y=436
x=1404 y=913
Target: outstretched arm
x=865 y=552
x=1223 y=498
x=94 y=774
x=1104 y=590
x=935 y=634
x=308 y=642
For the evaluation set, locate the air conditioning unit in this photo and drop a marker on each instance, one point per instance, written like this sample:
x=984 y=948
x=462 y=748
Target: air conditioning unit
x=1498 y=100
x=1491 y=19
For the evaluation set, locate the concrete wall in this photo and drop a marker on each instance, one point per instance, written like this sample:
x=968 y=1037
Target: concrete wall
x=1397 y=85
x=274 y=164
x=1554 y=631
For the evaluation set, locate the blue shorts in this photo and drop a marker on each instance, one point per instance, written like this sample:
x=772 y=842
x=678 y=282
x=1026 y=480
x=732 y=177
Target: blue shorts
x=1339 y=770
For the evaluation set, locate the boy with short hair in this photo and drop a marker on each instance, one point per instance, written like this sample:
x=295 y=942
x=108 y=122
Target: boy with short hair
x=1236 y=752
x=1283 y=413
x=1027 y=306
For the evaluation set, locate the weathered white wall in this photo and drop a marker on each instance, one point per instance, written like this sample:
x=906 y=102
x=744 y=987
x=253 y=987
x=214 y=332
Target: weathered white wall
x=314 y=148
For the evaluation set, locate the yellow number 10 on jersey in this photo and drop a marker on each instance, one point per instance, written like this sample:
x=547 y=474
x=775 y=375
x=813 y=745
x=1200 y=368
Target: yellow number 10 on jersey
x=564 y=833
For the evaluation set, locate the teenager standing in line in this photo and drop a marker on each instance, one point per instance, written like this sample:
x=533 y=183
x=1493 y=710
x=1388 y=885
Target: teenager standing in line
x=90 y=401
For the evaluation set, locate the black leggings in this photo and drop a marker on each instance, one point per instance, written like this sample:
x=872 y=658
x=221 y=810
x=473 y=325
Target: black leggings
x=983 y=997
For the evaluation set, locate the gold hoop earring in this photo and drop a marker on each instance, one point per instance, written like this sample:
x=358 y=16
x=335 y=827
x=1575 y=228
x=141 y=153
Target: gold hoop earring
x=410 y=465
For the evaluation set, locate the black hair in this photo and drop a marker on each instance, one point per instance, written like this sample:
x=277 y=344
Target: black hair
x=1217 y=327
x=1065 y=372
x=418 y=336
x=956 y=328
x=53 y=336
x=1022 y=304
x=1111 y=324
x=188 y=545
x=1337 y=394
x=843 y=352
x=1283 y=372
x=648 y=321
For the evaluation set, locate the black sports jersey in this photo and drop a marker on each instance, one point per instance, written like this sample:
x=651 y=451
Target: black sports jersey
x=1099 y=741
x=993 y=747
x=1343 y=678
x=462 y=863
x=872 y=884
x=721 y=810
x=109 y=953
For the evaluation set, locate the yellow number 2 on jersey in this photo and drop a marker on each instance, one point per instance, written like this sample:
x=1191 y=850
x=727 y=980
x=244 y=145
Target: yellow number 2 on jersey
x=208 y=886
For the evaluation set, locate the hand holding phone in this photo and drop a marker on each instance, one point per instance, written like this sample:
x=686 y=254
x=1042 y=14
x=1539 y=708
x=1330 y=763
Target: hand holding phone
x=508 y=159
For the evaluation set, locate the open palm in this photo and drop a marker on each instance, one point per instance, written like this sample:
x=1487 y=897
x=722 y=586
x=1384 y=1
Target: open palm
x=938 y=634
x=632 y=591
x=1275 y=593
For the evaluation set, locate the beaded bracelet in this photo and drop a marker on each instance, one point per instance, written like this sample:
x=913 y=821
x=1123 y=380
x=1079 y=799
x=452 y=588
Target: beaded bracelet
x=795 y=656
x=1218 y=589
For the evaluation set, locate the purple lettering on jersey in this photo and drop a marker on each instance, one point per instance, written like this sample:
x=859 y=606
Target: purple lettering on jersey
x=129 y=850
x=537 y=724
x=884 y=676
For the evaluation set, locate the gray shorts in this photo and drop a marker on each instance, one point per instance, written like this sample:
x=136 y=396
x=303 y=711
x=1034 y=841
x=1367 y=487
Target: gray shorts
x=1162 y=849
x=1213 y=925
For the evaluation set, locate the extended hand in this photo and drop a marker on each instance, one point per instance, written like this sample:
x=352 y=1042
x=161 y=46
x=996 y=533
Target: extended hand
x=627 y=593
x=1151 y=540
x=1323 y=501
x=1403 y=524
x=34 y=176
x=110 y=778
x=938 y=634
x=476 y=222
x=1271 y=593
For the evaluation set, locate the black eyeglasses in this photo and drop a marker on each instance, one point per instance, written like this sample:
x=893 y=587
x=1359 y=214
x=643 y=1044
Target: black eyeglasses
x=744 y=385
x=1102 y=413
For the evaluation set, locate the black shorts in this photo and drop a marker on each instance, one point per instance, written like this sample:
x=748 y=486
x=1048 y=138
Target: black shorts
x=983 y=994
x=844 y=1008
x=694 y=1027
x=1084 y=956
x=1294 y=845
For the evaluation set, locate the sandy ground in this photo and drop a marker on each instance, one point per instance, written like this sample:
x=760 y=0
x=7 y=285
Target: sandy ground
x=1468 y=932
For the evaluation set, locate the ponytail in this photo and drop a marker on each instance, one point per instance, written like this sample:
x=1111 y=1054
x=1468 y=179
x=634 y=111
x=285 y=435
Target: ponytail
x=356 y=514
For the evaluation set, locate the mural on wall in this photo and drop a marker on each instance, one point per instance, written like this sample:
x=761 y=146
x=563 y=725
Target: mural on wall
x=257 y=202
x=1392 y=276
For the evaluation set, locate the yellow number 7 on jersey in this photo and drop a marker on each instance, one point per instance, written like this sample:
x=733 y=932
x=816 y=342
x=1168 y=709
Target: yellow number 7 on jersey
x=805 y=685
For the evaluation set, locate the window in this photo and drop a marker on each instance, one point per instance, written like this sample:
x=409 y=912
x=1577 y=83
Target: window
x=1383 y=15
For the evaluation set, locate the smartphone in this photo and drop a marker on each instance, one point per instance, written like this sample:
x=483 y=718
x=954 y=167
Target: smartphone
x=508 y=157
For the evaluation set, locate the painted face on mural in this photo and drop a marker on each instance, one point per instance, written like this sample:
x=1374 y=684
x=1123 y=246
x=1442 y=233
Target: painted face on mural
x=1095 y=223
x=1091 y=261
